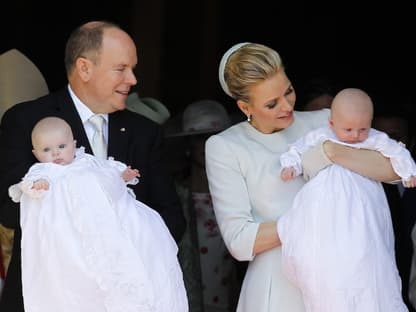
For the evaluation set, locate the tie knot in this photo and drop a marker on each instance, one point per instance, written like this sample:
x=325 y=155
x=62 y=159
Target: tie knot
x=97 y=121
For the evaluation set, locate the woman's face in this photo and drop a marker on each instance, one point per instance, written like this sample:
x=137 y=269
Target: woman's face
x=271 y=104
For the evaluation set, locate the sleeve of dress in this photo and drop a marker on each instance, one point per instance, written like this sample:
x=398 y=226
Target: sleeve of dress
x=294 y=156
x=291 y=158
x=36 y=172
x=15 y=192
x=400 y=157
x=230 y=199
x=119 y=166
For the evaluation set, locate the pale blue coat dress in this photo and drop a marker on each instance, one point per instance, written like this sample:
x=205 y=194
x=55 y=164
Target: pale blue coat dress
x=243 y=170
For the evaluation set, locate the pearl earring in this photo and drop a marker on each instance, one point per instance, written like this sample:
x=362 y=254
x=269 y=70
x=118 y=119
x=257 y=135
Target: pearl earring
x=249 y=117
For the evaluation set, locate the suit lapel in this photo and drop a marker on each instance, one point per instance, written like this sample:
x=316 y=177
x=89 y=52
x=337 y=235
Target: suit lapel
x=68 y=111
x=118 y=133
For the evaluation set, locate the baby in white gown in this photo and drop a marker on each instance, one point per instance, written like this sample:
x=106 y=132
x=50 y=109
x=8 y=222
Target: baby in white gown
x=337 y=239
x=87 y=244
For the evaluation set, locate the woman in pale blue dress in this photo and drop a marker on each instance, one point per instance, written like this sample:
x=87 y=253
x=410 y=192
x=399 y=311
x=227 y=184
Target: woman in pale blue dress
x=243 y=168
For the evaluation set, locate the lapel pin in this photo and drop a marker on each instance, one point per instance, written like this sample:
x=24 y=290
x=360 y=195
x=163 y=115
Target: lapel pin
x=122 y=129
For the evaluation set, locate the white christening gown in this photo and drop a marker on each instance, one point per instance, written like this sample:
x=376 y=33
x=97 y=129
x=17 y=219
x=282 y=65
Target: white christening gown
x=89 y=246
x=337 y=239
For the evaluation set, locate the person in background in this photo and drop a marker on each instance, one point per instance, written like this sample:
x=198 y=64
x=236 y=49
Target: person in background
x=148 y=107
x=210 y=271
x=242 y=164
x=316 y=93
x=342 y=219
x=108 y=250
x=2 y=270
x=20 y=80
x=394 y=121
x=410 y=199
x=100 y=59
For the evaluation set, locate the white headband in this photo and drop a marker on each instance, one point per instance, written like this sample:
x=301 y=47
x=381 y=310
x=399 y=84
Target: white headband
x=224 y=61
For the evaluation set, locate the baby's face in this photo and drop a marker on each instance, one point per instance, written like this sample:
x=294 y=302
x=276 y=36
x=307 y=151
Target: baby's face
x=55 y=146
x=352 y=128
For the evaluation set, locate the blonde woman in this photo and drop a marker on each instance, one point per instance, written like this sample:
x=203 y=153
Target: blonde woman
x=243 y=168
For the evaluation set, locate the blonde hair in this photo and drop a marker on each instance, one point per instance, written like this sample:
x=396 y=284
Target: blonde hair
x=247 y=65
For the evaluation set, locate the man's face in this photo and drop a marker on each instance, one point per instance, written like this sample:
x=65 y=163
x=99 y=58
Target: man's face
x=112 y=76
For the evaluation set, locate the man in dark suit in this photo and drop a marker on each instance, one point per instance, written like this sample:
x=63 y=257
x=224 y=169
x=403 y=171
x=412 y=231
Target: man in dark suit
x=394 y=121
x=99 y=59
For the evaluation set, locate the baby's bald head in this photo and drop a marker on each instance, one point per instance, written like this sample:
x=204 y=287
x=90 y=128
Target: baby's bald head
x=352 y=101
x=351 y=115
x=48 y=125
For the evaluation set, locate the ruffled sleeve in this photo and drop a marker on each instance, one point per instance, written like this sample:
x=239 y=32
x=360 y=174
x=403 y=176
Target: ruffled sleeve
x=46 y=171
x=121 y=167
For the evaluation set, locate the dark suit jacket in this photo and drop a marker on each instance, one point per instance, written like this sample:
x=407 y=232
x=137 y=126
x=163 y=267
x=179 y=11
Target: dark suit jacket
x=133 y=140
x=403 y=214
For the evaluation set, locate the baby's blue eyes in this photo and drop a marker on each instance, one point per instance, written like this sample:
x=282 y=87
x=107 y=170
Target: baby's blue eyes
x=361 y=130
x=48 y=149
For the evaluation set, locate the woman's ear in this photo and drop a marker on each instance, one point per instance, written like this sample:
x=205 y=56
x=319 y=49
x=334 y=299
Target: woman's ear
x=244 y=107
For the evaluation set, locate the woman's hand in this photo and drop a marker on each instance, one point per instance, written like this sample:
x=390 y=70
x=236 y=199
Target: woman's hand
x=314 y=160
x=368 y=163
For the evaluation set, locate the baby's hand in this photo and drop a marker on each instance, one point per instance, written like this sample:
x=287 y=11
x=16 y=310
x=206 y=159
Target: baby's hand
x=288 y=173
x=130 y=174
x=41 y=184
x=411 y=182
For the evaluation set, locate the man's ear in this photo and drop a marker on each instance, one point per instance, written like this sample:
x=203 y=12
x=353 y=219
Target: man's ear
x=75 y=143
x=34 y=153
x=83 y=67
